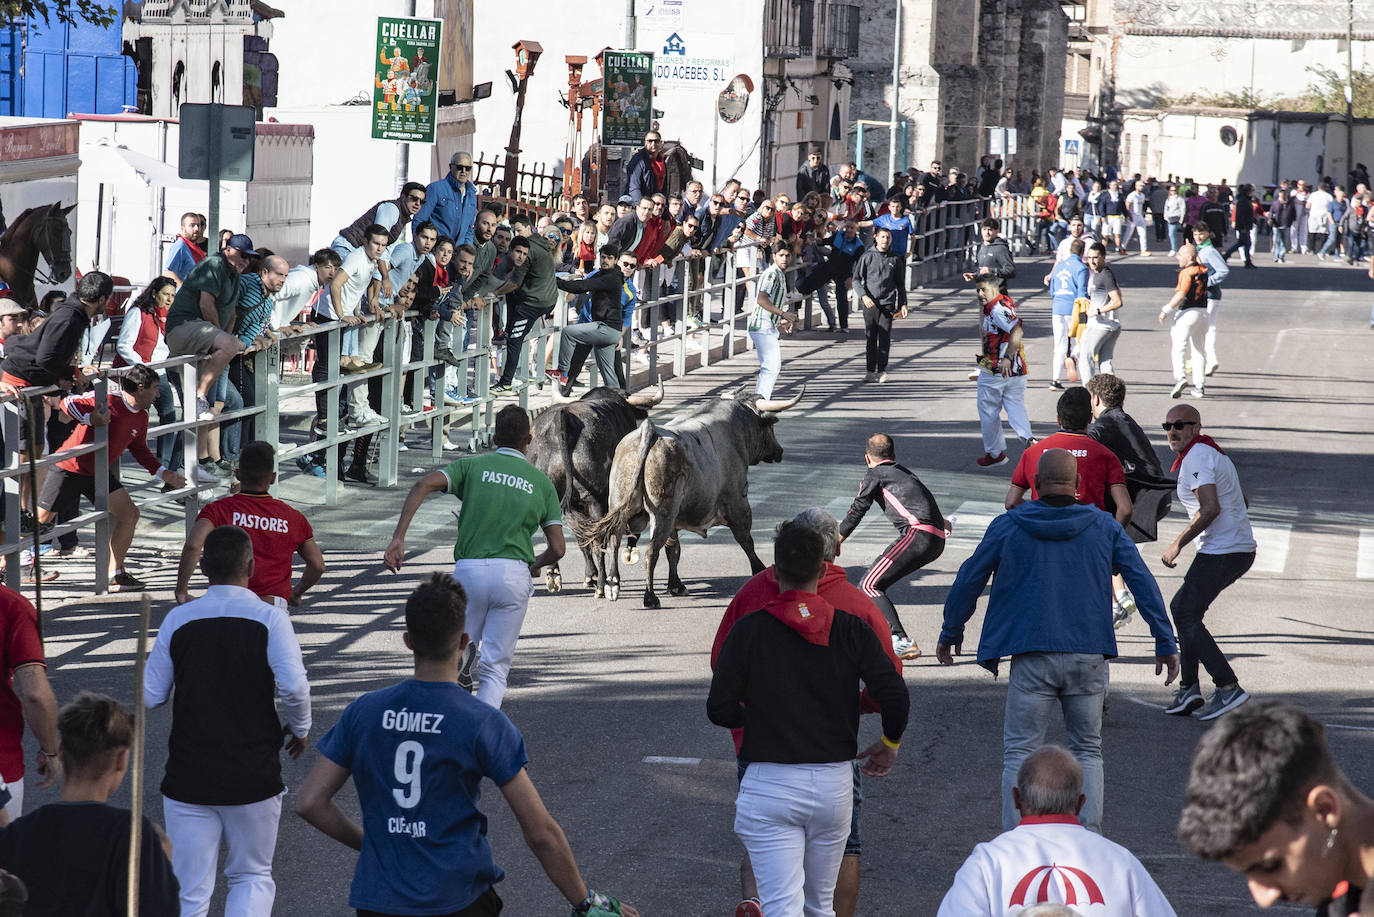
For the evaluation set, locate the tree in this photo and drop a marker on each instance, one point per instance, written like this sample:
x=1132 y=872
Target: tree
x=70 y=12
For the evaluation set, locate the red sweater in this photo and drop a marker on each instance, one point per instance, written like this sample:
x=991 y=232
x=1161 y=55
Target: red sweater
x=834 y=587
x=128 y=430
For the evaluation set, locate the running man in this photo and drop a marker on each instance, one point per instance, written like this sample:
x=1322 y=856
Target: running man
x=1210 y=491
x=1188 y=304
x=126 y=414
x=505 y=501
x=921 y=531
x=278 y=531
x=1217 y=272
x=770 y=316
x=881 y=288
x=417 y=752
x=1001 y=373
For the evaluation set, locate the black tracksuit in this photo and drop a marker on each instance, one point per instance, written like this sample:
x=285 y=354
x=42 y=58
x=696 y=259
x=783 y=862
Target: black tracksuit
x=879 y=276
x=905 y=502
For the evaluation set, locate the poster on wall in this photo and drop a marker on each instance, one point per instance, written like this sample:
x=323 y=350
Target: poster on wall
x=405 y=72
x=629 y=107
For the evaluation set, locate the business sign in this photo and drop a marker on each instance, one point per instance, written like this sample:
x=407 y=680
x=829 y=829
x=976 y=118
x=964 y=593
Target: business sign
x=629 y=107
x=404 y=73
x=681 y=64
x=39 y=141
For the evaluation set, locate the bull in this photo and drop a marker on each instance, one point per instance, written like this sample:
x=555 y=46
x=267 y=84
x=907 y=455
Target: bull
x=573 y=445
x=688 y=476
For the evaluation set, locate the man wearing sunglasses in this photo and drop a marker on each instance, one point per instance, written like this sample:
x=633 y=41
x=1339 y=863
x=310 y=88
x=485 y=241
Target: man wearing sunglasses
x=393 y=215
x=1210 y=491
x=646 y=173
x=451 y=202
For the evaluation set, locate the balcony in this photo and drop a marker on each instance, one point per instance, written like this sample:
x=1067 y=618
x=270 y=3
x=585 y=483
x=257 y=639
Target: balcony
x=807 y=28
x=789 y=29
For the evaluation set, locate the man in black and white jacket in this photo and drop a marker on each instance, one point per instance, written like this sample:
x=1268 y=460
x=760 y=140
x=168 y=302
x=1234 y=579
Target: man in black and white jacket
x=227 y=654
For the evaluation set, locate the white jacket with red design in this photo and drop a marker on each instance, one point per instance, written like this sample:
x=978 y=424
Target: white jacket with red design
x=1052 y=858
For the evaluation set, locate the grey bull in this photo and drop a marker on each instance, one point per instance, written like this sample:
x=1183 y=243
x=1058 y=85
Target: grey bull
x=573 y=444
x=688 y=476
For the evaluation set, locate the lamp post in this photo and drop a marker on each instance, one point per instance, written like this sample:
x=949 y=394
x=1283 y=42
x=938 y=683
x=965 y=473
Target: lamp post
x=896 y=89
x=1350 y=91
x=526 y=56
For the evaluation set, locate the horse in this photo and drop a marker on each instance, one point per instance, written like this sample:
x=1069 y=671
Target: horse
x=37 y=231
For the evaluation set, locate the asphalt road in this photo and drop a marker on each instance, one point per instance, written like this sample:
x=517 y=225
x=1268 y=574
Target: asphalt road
x=611 y=697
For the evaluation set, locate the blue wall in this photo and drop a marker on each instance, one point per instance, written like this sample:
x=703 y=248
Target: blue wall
x=67 y=69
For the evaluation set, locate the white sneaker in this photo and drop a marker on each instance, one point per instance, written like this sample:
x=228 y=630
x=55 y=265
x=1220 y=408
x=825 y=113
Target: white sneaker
x=794 y=296
x=203 y=411
x=202 y=475
x=1178 y=388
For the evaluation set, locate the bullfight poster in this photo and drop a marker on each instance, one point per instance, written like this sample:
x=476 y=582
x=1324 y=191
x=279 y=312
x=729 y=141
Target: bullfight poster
x=629 y=82
x=405 y=70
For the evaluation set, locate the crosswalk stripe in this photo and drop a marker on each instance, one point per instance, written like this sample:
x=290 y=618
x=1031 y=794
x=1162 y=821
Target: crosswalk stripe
x=1364 y=555
x=1271 y=552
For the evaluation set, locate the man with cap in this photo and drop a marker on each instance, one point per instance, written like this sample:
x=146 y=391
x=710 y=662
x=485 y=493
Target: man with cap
x=204 y=314
x=451 y=202
x=11 y=320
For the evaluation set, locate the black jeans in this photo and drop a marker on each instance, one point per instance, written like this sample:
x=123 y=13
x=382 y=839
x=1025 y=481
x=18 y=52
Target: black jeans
x=488 y=904
x=241 y=378
x=878 y=328
x=1207 y=576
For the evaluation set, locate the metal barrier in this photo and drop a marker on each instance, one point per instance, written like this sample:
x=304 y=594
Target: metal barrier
x=706 y=312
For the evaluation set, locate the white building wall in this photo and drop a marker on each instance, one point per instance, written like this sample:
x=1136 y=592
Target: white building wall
x=730 y=30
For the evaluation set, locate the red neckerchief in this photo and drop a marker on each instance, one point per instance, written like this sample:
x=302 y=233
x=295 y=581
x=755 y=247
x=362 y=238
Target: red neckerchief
x=1200 y=438
x=197 y=253
x=440 y=276
x=1049 y=820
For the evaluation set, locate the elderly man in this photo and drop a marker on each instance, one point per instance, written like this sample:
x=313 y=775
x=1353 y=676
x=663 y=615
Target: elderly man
x=1210 y=491
x=834 y=587
x=1050 y=610
x=451 y=202
x=1050 y=858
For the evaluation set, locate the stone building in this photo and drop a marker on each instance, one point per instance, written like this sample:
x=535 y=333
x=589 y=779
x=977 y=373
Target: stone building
x=966 y=66
x=1248 y=55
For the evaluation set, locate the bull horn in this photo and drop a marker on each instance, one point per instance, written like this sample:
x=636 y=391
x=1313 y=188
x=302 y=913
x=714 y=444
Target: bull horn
x=646 y=401
x=765 y=404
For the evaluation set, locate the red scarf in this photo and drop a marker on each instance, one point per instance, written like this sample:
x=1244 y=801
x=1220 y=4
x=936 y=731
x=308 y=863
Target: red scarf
x=1200 y=438
x=440 y=276
x=197 y=253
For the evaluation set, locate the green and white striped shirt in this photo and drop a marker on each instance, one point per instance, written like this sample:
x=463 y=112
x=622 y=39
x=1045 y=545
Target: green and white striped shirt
x=773 y=284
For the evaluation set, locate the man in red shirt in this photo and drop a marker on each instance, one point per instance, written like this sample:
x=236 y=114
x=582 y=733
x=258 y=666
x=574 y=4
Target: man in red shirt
x=836 y=589
x=278 y=532
x=25 y=695
x=1101 y=480
x=126 y=414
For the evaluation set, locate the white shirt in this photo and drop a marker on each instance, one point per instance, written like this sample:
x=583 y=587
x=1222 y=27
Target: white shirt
x=357 y=270
x=295 y=296
x=1230 y=532
x=1318 y=203
x=1135 y=205
x=1053 y=859
x=1062 y=251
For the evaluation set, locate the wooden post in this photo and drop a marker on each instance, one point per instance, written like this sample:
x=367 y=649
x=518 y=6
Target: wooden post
x=136 y=758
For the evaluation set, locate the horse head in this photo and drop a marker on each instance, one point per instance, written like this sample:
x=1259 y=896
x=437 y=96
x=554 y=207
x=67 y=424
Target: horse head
x=54 y=241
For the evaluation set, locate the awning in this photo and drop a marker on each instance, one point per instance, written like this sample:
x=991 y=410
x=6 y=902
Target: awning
x=104 y=161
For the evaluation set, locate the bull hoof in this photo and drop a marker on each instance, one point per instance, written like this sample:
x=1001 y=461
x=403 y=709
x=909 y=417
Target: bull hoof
x=651 y=600
x=613 y=591
x=555 y=582
x=589 y=582
x=677 y=589
x=601 y=593
x=631 y=556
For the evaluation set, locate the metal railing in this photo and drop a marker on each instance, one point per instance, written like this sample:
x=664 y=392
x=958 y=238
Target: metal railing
x=708 y=297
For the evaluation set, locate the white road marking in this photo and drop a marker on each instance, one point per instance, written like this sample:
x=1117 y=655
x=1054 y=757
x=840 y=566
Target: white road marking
x=1364 y=555
x=972 y=517
x=1271 y=552
x=668 y=759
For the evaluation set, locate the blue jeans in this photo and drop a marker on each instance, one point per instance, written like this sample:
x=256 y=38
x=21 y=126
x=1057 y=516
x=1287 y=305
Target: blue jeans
x=770 y=361
x=168 y=444
x=1280 y=243
x=1332 y=237
x=1040 y=683
x=1173 y=230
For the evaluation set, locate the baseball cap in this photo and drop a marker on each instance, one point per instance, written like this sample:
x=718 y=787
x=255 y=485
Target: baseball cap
x=10 y=307
x=626 y=199
x=242 y=243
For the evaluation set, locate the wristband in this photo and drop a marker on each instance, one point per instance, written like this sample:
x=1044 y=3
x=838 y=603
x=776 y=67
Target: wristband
x=891 y=744
x=49 y=754
x=596 y=903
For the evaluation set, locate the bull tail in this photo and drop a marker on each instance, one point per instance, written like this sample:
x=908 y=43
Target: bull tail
x=565 y=444
x=617 y=519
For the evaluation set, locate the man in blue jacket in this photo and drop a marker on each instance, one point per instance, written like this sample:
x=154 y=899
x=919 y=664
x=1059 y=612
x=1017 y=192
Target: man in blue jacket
x=1050 y=610
x=451 y=202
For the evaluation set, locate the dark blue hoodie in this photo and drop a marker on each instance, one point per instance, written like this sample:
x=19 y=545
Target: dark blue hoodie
x=1053 y=585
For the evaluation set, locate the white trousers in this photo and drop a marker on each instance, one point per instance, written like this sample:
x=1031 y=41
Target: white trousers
x=499 y=591
x=1060 y=323
x=250 y=831
x=793 y=820
x=1213 y=316
x=1188 y=331
x=1138 y=227
x=995 y=394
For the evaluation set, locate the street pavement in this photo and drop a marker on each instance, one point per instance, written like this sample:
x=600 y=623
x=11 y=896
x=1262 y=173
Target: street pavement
x=611 y=697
